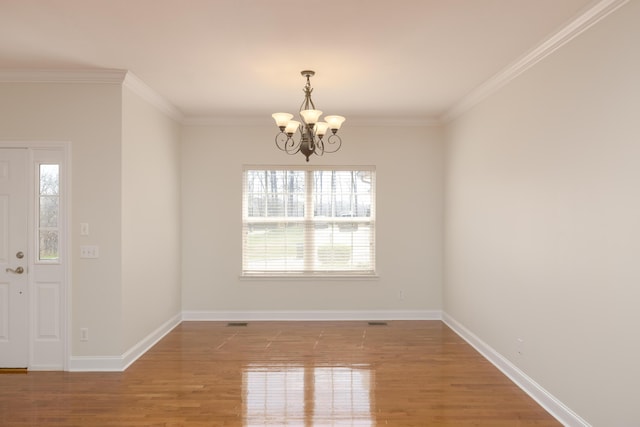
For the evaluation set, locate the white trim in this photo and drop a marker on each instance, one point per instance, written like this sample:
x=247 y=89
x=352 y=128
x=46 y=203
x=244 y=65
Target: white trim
x=545 y=399
x=95 y=364
x=351 y=121
x=311 y=315
x=46 y=368
x=100 y=76
x=578 y=25
x=426 y=121
x=228 y=121
x=265 y=277
x=111 y=76
x=135 y=352
x=140 y=88
x=121 y=363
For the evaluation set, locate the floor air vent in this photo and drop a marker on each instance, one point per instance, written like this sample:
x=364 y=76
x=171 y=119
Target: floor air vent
x=377 y=323
x=237 y=324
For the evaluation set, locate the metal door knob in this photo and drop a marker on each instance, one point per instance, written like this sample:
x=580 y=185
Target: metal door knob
x=18 y=270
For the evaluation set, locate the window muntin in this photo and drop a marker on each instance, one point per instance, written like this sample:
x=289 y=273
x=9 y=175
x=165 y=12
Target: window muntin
x=308 y=221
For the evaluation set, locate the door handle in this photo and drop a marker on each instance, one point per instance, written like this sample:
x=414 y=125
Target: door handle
x=18 y=270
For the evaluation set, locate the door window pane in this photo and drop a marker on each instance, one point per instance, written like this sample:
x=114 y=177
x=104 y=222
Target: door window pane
x=48 y=212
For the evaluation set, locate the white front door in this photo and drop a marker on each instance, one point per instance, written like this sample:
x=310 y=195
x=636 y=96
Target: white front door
x=14 y=282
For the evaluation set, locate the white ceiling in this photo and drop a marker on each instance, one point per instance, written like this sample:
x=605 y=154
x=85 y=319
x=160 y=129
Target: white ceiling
x=229 y=58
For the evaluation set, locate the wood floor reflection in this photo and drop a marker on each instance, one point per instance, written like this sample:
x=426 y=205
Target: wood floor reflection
x=408 y=373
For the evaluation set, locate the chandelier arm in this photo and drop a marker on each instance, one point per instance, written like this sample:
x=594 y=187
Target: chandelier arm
x=333 y=144
x=292 y=147
x=319 y=147
x=287 y=144
x=281 y=138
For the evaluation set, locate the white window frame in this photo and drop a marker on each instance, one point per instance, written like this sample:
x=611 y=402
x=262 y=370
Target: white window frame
x=309 y=219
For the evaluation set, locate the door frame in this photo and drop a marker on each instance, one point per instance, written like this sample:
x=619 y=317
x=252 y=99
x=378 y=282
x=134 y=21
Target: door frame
x=38 y=359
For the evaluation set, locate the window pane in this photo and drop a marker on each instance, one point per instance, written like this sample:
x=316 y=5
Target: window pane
x=48 y=211
x=274 y=247
x=49 y=207
x=275 y=193
x=342 y=193
x=49 y=180
x=48 y=245
x=344 y=246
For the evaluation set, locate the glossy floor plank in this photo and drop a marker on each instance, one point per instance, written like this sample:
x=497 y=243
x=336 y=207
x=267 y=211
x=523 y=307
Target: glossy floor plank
x=413 y=373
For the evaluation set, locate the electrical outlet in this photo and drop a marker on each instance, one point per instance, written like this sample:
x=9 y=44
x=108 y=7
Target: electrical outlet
x=519 y=347
x=84 y=334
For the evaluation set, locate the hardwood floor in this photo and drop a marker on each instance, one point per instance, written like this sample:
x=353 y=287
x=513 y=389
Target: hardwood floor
x=409 y=373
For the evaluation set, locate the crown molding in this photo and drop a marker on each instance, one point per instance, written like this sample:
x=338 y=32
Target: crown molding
x=104 y=76
x=100 y=76
x=214 y=120
x=394 y=121
x=140 y=88
x=586 y=19
x=267 y=121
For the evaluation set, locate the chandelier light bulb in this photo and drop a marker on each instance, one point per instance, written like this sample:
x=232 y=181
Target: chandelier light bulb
x=292 y=127
x=335 y=122
x=310 y=117
x=282 y=119
x=321 y=129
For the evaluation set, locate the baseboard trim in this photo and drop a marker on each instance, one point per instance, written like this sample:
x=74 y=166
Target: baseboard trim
x=46 y=368
x=545 y=399
x=135 y=352
x=95 y=364
x=120 y=363
x=319 y=315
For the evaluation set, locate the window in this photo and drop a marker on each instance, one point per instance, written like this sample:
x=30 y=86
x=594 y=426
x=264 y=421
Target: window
x=302 y=221
x=48 y=209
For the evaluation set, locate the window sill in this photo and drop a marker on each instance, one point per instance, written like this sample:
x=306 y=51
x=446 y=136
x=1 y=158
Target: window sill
x=306 y=278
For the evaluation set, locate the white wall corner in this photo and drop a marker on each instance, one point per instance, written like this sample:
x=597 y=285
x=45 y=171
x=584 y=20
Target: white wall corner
x=120 y=363
x=583 y=21
x=144 y=91
x=545 y=399
x=306 y=315
x=135 y=352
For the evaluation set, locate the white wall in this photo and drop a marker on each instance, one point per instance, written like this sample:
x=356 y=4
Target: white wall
x=409 y=220
x=543 y=221
x=89 y=116
x=150 y=218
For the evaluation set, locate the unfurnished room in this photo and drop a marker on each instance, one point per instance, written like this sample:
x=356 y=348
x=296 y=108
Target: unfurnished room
x=338 y=213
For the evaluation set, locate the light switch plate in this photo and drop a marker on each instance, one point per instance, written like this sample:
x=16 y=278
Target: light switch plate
x=88 y=251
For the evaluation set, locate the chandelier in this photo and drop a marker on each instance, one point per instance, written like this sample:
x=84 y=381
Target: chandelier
x=310 y=135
